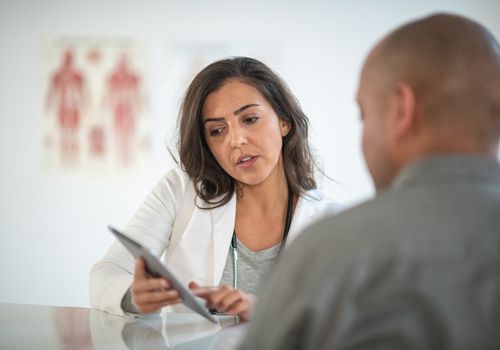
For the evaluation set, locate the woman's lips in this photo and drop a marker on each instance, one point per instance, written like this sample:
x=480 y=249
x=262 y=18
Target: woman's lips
x=246 y=161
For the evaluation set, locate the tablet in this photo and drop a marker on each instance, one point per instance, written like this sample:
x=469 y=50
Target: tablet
x=157 y=269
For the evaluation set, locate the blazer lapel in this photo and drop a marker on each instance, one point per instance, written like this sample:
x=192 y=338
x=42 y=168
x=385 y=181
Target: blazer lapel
x=301 y=214
x=223 y=219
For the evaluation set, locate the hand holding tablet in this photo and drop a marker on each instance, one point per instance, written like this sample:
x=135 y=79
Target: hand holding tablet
x=157 y=269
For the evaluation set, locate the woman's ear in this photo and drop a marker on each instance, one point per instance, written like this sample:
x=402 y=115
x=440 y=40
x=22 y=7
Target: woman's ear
x=284 y=127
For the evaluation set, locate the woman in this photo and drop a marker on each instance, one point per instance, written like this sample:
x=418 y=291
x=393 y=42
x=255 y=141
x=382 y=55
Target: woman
x=243 y=188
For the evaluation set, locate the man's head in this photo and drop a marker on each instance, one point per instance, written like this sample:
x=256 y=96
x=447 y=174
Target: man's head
x=432 y=86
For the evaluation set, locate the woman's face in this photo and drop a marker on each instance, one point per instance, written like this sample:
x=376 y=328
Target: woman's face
x=243 y=132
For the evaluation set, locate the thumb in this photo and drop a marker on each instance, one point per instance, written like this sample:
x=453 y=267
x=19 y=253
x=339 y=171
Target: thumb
x=140 y=268
x=193 y=285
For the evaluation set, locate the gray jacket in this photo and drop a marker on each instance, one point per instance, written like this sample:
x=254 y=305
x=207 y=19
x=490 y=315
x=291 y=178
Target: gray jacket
x=418 y=267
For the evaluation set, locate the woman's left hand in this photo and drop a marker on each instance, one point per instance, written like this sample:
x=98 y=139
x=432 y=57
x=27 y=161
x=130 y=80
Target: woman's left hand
x=226 y=299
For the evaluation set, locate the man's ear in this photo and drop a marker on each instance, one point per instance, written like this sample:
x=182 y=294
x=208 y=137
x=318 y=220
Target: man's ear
x=405 y=113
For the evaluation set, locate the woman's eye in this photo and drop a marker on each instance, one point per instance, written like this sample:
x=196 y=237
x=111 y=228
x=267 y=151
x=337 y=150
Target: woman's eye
x=250 y=119
x=215 y=132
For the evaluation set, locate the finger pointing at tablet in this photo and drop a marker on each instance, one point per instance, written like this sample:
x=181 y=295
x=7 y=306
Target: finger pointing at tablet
x=225 y=299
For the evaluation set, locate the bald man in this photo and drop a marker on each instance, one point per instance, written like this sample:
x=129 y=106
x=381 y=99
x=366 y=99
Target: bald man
x=418 y=267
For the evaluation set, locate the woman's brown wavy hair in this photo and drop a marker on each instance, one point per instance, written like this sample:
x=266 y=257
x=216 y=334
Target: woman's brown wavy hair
x=213 y=184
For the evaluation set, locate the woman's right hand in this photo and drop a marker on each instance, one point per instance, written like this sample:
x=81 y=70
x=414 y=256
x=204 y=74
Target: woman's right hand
x=150 y=294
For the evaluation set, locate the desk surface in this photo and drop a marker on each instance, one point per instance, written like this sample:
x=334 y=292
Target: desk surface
x=46 y=327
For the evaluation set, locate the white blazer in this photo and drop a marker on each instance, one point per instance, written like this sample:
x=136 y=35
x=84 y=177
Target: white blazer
x=194 y=242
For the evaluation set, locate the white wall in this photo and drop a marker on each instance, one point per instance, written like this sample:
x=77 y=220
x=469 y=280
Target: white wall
x=53 y=227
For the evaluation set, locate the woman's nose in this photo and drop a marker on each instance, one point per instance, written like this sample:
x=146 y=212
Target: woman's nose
x=238 y=138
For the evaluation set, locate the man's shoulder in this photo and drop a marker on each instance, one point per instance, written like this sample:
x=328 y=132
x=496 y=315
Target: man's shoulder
x=325 y=236
x=404 y=220
x=359 y=218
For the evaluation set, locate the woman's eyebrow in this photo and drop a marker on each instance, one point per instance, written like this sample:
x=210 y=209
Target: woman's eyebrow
x=213 y=120
x=241 y=109
x=236 y=112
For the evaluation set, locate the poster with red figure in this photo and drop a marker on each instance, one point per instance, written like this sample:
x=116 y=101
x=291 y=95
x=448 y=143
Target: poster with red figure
x=95 y=117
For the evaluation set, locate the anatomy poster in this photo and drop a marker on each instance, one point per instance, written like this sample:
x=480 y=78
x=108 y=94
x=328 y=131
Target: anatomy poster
x=95 y=103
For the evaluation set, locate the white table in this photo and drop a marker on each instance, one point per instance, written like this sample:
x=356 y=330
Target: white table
x=46 y=327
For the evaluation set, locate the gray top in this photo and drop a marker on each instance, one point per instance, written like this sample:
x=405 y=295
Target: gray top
x=252 y=267
x=418 y=267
